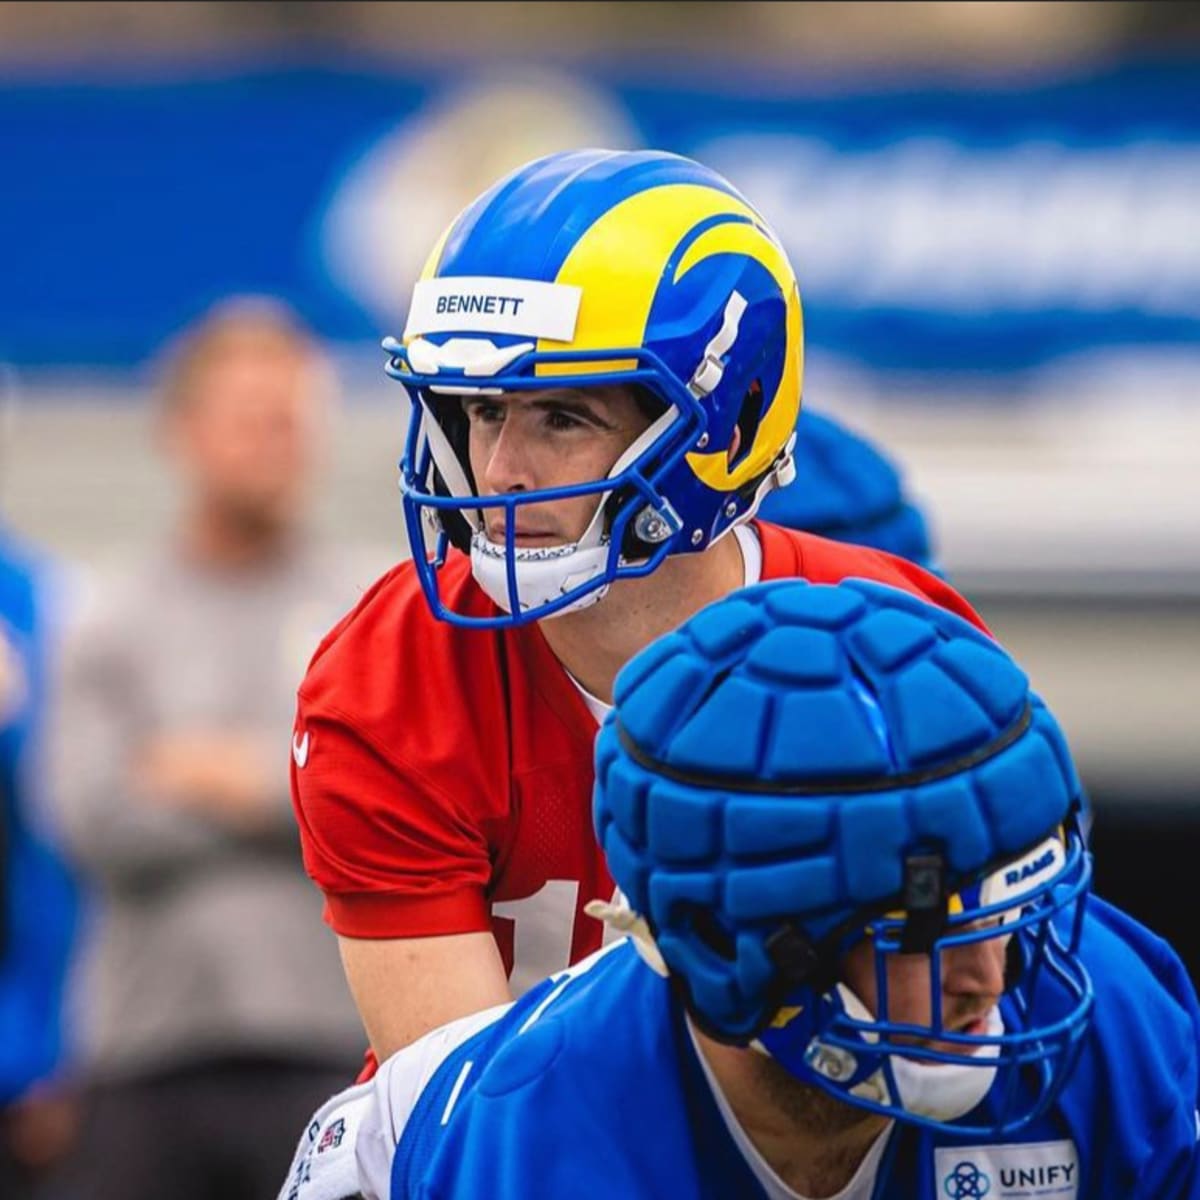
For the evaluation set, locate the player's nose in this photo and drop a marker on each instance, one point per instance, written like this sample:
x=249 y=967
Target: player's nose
x=975 y=968
x=509 y=464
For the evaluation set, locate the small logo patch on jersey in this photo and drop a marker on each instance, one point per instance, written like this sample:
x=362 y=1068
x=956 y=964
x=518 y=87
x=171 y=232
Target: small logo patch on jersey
x=1034 y=1171
x=325 y=1165
x=331 y=1139
x=300 y=749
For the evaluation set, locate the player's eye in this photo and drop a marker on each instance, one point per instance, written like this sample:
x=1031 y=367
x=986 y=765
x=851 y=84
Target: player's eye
x=563 y=419
x=484 y=412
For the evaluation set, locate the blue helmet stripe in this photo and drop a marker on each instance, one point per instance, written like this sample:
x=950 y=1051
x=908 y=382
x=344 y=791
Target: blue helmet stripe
x=564 y=195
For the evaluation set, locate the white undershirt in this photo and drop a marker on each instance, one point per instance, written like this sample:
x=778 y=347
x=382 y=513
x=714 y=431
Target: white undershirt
x=859 y=1188
x=752 y=557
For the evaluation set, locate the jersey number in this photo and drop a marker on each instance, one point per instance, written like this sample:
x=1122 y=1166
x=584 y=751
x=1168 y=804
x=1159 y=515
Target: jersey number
x=543 y=928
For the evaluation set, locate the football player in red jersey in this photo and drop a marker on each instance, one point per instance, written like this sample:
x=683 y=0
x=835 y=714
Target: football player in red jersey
x=604 y=360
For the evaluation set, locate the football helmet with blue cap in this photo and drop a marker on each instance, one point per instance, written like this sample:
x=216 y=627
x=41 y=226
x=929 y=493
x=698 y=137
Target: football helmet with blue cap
x=802 y=773
x=600 y=268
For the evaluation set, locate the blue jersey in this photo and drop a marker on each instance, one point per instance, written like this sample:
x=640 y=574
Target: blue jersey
x=590 y=1087
x=38 y=901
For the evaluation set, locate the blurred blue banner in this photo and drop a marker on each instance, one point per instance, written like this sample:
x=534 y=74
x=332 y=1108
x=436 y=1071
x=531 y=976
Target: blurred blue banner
x=997 y=227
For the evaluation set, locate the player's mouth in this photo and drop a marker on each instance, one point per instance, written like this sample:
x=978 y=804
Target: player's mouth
x=971 y=1024
x=974 y=1028
x=977 y=1028
x=524 y=536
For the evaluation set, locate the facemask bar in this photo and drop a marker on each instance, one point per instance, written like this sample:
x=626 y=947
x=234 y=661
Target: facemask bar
x=642 y=475
x=1031 y=1062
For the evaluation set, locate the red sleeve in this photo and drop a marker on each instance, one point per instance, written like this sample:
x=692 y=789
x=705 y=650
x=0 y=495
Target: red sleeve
x=931 y=587
x=394 y=856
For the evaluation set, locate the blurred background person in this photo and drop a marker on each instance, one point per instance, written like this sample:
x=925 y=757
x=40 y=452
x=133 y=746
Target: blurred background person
x=848 y=489
x=38 y=893
x=211 y=999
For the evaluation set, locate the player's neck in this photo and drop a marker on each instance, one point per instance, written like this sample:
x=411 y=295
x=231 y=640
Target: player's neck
x=595 y=643
x=814 y=1143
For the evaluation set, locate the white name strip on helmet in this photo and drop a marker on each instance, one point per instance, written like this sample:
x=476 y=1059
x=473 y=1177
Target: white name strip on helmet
x=481 y=304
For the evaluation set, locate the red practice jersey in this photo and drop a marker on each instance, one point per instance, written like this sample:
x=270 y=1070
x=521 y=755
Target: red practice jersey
x=442 y=777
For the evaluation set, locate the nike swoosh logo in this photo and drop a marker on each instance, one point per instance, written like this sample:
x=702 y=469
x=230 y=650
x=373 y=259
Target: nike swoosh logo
x=300 y=749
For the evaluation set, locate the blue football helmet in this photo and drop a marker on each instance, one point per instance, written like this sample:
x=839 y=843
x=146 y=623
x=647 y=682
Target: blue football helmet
x=591 y=268
x=848 y=489
x=803 y=772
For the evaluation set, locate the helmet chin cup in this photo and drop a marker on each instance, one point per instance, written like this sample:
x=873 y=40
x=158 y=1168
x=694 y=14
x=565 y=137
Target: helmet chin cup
x=541 y=575
x=938 y=1092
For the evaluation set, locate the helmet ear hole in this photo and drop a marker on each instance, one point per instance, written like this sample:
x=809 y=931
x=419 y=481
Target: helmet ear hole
x=749 y=419
x=798 y=961
x=711 y=932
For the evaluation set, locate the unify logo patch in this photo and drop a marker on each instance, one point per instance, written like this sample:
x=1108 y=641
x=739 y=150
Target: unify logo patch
x=1033 y=1171
x=484 y=304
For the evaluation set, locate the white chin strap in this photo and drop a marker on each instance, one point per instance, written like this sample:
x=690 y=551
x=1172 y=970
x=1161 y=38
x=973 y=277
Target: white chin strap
x=940 y=1091
x=544 y=573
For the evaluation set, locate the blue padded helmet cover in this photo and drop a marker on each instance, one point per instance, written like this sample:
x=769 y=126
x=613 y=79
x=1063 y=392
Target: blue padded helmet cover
x=777 y=757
